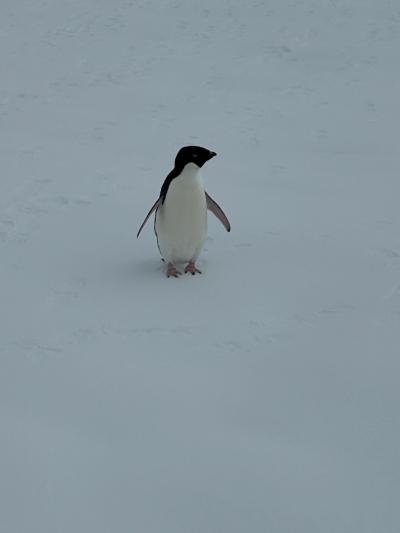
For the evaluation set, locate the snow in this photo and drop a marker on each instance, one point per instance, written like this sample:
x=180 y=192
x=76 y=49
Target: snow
x=262 y=395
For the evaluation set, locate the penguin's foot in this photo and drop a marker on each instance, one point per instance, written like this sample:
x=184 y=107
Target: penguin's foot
x=191 y=267
x=172 y=272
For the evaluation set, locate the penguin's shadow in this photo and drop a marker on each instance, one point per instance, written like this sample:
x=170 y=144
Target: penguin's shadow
x=137 y=270
x=134 y=270
x=146 y=268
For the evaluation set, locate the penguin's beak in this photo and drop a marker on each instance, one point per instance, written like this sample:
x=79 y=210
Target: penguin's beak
x=213 y=154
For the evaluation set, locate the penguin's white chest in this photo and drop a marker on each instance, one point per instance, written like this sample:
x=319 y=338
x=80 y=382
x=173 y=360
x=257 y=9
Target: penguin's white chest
x=181 y=222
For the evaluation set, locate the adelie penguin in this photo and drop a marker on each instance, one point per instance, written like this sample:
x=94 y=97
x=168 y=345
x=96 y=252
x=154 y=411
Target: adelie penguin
x=180 y=222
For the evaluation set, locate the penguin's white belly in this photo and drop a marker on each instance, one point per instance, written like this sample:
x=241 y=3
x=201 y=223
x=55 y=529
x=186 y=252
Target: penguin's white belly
x=181 y=222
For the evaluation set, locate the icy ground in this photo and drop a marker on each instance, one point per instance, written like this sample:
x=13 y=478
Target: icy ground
x=262 y=396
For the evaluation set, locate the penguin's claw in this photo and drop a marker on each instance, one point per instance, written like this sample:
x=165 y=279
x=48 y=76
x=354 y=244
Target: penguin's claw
x=191 y=268
x=172 y=272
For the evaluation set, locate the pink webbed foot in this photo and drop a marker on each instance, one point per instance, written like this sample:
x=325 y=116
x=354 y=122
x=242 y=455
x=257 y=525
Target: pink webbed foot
x=191 y=268
x=172 y=271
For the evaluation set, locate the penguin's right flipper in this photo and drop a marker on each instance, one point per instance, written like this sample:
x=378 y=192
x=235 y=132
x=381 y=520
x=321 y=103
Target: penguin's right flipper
x=217 y=211
x=155 y=206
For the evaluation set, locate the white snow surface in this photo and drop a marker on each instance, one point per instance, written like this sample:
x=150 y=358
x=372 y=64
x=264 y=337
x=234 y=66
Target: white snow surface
x=263 y=395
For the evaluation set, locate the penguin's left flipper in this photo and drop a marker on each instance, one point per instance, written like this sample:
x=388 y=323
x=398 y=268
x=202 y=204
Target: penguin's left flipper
x=217 y=211
x=155 y=206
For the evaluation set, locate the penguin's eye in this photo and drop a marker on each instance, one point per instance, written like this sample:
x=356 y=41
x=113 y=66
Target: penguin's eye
x=195 y=156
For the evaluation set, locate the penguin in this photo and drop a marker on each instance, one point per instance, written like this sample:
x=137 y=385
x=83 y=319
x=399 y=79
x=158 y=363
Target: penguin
x=180 y=221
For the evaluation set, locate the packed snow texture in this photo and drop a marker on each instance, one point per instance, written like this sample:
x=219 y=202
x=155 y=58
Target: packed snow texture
x=263 y=395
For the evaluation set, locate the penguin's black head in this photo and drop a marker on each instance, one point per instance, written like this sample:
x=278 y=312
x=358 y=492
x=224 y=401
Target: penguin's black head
x=193 y=154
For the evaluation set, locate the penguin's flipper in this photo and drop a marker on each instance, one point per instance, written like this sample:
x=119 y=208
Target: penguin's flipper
x=217 y=211
x=155 y=206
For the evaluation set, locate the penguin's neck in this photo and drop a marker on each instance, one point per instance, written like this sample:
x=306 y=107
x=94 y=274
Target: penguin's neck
x=190 y=176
